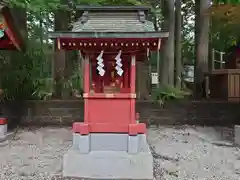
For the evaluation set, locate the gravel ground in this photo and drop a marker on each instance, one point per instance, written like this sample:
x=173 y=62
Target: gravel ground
x=187 y=153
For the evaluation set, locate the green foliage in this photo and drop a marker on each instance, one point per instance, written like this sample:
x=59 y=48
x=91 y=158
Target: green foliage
x=188 y=13
x=34 y=67
x=16 y=76
x=25 y=75
x=226 y=1
x=32 y=70
x=75 y=81
x=36 y=6
x=168 y=93
x=225 y=24
x=43 y=88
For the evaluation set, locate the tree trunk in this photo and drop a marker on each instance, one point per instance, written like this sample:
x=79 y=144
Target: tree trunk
x=41 y=28
x=59 y=62
x=201 y=49
x=142 y=80
x=178 y=47
x=167 y=66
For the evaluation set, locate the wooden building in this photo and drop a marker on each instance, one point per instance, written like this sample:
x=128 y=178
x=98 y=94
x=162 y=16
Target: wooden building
x=224 y=84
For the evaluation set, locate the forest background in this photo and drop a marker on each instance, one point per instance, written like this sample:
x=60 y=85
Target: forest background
x=196 y=27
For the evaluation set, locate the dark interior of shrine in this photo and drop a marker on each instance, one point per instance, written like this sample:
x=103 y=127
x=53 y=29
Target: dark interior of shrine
x=111 y=81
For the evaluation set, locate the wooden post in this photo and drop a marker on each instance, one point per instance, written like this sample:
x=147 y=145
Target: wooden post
x=221 y=60
x=86 y=87
x=158 y=61
x=58 y=44
x=133 y=74
x=125 y=75
x=133 y=86
x=86 y=74
x=213 y=59
x=81 y=67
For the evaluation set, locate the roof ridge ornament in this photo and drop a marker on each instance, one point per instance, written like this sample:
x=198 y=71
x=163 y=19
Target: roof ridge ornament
x=142 y=16
x=84 y=18
x=71 y=5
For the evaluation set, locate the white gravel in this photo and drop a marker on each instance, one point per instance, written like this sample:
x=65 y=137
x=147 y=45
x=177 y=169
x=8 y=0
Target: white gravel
x=193 y=153
x=181 y=154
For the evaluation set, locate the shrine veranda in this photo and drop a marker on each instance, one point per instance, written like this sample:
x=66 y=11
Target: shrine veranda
x=110 y=134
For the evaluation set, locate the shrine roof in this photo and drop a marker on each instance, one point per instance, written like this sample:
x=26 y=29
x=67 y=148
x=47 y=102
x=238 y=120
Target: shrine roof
x=111 y=22
x=113 y=19
x=108 y=8
x=124 y=35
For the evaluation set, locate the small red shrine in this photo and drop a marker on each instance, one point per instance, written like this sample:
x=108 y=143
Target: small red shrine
x=111 y=41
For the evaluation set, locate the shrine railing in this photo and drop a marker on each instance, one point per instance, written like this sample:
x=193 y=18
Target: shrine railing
x=218 y=59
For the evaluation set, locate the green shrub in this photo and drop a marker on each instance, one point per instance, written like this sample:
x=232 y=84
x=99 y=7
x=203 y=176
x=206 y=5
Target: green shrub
x=168 y=93
x=43 y=88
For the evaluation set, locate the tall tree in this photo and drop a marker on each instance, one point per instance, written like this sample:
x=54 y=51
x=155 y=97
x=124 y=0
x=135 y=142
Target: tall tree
x=59 y=62
x=167 y=66
x=178 y=41
x=201 y=42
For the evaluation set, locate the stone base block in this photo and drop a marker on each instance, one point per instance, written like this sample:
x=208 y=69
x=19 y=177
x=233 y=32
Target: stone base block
x=3 y=129
x=237 y=135
x=110 y=142
x=3 y=132
x=108 y=165
x=108 y=156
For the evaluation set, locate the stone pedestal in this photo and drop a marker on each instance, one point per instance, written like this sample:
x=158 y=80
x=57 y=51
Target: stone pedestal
x=237 y=135
x=109 y=156
x=3 y=129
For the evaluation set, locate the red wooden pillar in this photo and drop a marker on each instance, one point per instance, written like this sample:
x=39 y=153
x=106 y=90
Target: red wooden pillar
x=133 y=87
x=133 y=74
x=86 y=86
x=86 y=74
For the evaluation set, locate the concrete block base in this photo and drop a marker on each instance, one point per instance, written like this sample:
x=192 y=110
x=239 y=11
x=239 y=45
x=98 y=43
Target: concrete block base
x=3 y=132
x=237 y=135
x=3 y=129
x=108 y=165
x=109 y=156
